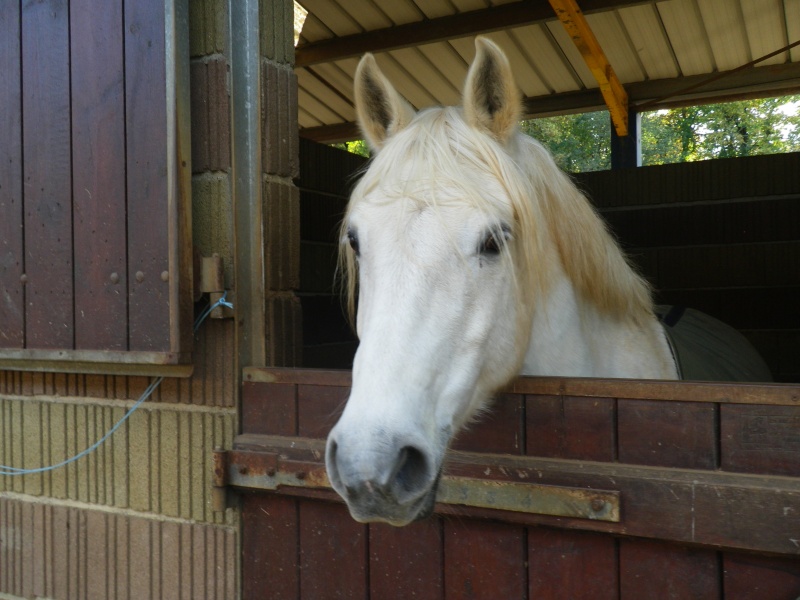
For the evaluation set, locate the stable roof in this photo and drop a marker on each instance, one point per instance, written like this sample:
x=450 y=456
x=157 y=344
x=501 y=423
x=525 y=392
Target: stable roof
x=657 y=50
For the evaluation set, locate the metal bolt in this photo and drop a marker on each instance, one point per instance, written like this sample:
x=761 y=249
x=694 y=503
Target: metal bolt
x=597 y=504
x=301 y=475
x=164 y=275
x=115 y=278
x=243 y=470
x=139 y=276
x=23 y=278
x=270 y=472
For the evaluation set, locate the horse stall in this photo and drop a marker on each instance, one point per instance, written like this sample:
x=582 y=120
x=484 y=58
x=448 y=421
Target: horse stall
x=567 y=488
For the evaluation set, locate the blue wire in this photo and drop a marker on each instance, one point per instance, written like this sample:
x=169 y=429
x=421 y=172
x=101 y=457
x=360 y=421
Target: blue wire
x=12 y=471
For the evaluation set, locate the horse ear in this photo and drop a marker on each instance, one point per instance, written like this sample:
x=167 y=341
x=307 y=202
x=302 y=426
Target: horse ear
x=381 y=111
x=491 y=99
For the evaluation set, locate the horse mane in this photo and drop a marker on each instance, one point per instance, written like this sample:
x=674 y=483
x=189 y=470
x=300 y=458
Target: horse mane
x=590 y=255
x=439 y=145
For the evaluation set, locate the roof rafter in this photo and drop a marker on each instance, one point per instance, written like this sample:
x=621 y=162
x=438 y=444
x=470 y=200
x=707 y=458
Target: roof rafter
x=516 y=14
x=755 y=82
x=614 y=94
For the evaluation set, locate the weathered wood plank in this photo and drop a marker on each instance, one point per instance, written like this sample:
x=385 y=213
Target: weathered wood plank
x=678 y=391
x=502 y=429
x=98 y=183
x=657 y=571
x=565 y=565
x=484 y=560
x=760 y=439
x=748 y=577
x=148 y=235
x=270 y=547
x=668 y=434
x=12 y=303
x=405 y=562
x=319 y=408
x=567 y=427
x=47 y=171
x=269 y=409
x=333 y=553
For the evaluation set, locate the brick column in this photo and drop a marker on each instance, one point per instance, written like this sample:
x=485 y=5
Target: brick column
x=280 y=197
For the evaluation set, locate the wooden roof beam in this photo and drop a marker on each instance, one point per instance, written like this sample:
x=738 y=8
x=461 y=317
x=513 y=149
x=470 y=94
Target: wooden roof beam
x=614 y=94
x=504 y=16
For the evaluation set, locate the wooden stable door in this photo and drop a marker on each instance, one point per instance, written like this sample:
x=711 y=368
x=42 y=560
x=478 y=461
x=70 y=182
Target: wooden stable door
x=95 y=216
x=695 y=488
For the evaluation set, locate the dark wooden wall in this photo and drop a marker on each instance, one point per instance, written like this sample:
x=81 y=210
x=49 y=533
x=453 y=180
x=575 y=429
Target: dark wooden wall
x=326 y=178
x=721 y=236
x=86 y=249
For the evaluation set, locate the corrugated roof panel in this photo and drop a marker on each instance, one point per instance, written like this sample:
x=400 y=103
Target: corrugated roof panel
x=617 y=46
x=764 y=22
x=792 y=8
x=726 y=33
x=435 y=8
x=569 y=50
x=315 y=112
x=367 y=14
x=448 y=62
x=525 y=75
x=334 y=102
x=649 y=40
x=314 y=30
x=556 y=73
x=333 y=16
x=333 y=74
x=428 y=75
x=686 y=32
x=404 y=81
x=402 y=11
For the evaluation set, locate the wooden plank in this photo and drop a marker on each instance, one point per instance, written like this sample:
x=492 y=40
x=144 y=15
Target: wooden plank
x=269 y=409
x=501 y=430
x=565 y=565
x=567 y=427
x=333 y=553
x=12 y=307
x=658 y=571
x=319 y=408
x=748 y=577
x=46 y=150
x=98 y=184
x=270 y=548
x=146 y=128
x=667 y=434
x=699 y=507
x=678 y=391
x=405 y=562
x=484 y=560
x=760 y=439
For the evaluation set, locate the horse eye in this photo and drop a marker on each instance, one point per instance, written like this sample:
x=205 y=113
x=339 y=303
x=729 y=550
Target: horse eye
x=490 y=245
x=353 y=239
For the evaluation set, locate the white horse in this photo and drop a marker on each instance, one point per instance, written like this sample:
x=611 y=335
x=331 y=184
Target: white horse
x=477 y=259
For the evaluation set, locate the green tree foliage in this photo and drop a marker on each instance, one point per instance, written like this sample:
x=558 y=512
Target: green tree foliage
x=582 y=142
x=764 y=126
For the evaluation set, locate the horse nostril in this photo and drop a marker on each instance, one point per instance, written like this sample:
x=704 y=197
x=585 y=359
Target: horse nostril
x=412 y=474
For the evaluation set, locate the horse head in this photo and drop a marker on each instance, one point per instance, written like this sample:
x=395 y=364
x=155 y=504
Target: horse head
x=433 y=234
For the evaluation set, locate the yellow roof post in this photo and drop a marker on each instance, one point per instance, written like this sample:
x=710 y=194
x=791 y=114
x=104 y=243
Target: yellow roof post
x=571 y=16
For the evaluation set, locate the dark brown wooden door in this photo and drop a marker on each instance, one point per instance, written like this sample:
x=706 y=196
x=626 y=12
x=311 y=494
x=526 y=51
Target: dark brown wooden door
x=708 y=478
x=94 y=210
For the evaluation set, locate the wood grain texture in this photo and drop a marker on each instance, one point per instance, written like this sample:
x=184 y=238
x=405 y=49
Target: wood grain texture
x=47 y=174
x=12 y=299
x=98 y=183
x=148 y=235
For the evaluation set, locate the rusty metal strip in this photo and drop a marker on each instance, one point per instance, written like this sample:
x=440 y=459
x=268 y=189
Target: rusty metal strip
x=271 y=471
x=531 y=498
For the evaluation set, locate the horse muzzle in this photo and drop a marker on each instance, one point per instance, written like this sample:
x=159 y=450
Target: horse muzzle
x=393 y=483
